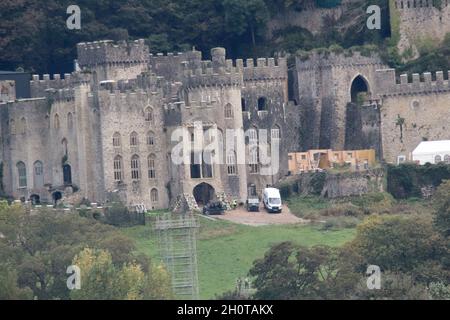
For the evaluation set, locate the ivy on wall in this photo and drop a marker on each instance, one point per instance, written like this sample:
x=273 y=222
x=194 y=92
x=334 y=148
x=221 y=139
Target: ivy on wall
x=406 y=180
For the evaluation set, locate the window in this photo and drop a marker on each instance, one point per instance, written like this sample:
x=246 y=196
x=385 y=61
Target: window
x=437 y=159
x=56 y=121
x=244 y=105
x=70 y=121
x=135 y=167
x=303 y=156
x=154 y=195
x=38 y=177
x=64 y=144
x=116 y=140
x=23 y=126
x=12 y=125
x=275 y=133
x=149 y=114
x=254 y=160
x=133 y=139
x=447 y=159
x=228 y=111
x=252 y=136
x=151 y=166
x=118 y=169
x=262 y=104
x=150 y=138
x=22 y=171
x=231 y=163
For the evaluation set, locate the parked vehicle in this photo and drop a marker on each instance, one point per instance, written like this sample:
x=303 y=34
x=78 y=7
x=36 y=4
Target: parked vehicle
x=252 y=204
x=272 y=200
x=214 y=208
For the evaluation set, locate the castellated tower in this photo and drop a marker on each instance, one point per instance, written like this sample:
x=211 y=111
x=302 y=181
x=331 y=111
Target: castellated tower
x=336 y=94
x=211 y=91
x=109 y=61
x=420 y=23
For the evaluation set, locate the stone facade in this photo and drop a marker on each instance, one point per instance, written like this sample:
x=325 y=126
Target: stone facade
x=419 y=21
x=393 y=115
x=114 y=124
x=109 y=126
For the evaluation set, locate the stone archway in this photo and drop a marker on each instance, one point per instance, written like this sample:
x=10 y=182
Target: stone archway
x=359 y=89
x=203 y=193
x=35 y=199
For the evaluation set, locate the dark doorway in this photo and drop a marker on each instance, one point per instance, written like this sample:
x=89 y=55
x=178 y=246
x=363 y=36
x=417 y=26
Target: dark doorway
x=35 y=199
x=67 y=174
x=203 y=193
x=359 y=90
x=56 y=196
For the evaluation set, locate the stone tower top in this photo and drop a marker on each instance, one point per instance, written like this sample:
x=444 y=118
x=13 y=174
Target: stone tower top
x=107 y=52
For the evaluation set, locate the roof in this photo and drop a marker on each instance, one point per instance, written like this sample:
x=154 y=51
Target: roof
x=10 y=72
x=426 y=147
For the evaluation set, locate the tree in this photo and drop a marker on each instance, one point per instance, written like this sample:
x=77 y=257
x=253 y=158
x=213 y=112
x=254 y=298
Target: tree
x=288 y=271
x=441 y=200
x=246 y=17
x=396 y=243
x=41 y=247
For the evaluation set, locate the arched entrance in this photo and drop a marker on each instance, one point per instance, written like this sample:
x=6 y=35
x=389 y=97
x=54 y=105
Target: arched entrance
x=359 y=90
x=203 y=193
x=67 y=174
x=35 y=199
x=56 y=196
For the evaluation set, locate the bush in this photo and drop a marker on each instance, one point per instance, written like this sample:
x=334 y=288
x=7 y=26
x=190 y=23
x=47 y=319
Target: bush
x=406 y=180
x=117 y=215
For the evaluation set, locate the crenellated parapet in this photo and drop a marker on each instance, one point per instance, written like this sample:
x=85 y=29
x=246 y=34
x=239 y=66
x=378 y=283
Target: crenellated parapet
x=107 y=52
x=263 y=69
x=418 y=4
x=210 y=73
x=426 y=83
x=336 y=60
x=39 y=84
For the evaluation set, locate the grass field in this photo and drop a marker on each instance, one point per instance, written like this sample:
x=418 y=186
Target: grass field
x=227 y=250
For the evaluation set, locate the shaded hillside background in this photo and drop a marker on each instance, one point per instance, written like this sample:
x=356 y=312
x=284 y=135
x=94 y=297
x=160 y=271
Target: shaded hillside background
x=33 y=33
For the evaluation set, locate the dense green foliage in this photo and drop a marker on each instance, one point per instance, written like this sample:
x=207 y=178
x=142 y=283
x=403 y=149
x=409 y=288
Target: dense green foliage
x=35 y=251
x=410 y=253
x=406 y=180
x=36 y=38
x=226 y=250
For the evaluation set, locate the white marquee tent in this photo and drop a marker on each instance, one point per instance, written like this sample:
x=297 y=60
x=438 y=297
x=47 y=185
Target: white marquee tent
x=432 y=152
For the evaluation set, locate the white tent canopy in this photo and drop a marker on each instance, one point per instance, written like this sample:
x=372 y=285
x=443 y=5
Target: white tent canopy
x=432 y=152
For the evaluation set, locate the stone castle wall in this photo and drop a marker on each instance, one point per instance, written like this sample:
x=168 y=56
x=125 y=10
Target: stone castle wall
x=422 y=105
x=420 y=21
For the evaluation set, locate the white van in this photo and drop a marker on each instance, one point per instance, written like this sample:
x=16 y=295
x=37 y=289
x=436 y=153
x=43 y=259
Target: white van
x=272 y=200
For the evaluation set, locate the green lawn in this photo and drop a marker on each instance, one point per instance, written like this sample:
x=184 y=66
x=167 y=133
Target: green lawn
x=227 y=250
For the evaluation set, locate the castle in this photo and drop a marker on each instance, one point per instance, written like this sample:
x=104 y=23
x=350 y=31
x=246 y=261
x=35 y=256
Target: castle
x=141 y=126
x=112 y=125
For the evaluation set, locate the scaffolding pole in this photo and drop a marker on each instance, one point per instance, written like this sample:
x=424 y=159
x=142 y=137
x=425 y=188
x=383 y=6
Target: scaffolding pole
x=177 y=236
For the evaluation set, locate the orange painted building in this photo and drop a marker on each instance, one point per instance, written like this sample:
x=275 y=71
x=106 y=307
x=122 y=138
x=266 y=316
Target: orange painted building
x=326 y=158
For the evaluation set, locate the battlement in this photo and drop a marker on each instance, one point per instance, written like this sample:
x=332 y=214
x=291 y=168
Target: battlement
x=222 y=71
x=418 y=4
x=39 y=84
x=316 y=59
x=214 y=72
x=108 y=52
x=264 y=69
x=388 y=84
